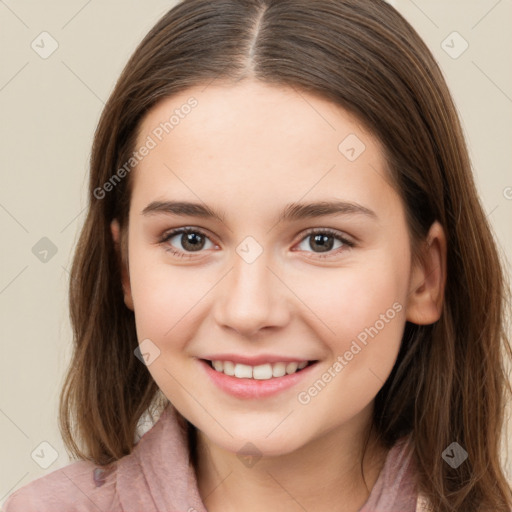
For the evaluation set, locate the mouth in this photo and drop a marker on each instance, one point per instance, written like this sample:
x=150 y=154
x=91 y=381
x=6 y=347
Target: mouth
x=264 y=371
x=246 y=382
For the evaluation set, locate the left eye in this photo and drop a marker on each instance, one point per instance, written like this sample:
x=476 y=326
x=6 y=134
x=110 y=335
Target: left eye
x=191 y=240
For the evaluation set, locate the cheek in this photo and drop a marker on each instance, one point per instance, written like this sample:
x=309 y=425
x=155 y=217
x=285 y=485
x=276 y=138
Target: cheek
x=365 y=318
x=371 y=302
x=166 y=305
x=165 y=296
x=360 y=315
x=354 y=298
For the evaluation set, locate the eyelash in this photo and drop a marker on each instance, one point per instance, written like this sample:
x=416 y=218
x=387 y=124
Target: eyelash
x=313 y=231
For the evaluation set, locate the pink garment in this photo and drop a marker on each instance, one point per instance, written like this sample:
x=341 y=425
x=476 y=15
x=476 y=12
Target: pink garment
x=156 y=477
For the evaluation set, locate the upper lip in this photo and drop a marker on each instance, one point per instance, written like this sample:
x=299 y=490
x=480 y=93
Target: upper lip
x=255 y=360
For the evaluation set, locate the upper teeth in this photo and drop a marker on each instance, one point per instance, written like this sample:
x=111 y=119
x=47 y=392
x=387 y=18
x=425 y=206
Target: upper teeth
x=261 y=372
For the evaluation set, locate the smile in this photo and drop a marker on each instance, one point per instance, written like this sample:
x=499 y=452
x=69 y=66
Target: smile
x=260 y=372
x=244 y=381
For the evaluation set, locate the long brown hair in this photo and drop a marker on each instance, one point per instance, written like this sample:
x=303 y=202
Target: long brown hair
x=449 y=383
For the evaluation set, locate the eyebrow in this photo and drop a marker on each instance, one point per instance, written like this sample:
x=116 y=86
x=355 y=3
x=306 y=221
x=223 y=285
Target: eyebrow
x=291 y=212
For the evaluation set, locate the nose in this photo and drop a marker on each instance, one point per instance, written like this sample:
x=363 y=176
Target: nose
x=252 y=297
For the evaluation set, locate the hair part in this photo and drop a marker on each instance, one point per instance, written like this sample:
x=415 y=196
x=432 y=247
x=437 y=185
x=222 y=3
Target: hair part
x=449 y=382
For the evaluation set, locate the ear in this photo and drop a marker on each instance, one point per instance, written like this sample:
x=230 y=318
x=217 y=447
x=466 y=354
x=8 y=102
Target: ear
x=428 y=278
x=125 y=275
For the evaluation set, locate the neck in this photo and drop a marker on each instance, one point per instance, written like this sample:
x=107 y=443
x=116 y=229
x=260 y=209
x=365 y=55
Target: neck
x=324 y=474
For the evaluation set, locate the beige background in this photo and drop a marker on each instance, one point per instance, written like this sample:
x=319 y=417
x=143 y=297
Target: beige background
x=49 y=110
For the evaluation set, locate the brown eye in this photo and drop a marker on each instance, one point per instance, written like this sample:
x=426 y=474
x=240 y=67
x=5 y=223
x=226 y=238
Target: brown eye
x=324 y=241
x=186 y=240
x=192 y=241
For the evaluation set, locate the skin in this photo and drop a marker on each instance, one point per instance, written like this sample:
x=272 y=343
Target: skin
x=248 y=150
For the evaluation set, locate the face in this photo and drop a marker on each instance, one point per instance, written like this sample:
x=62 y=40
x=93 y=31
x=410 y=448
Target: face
x=271 y=281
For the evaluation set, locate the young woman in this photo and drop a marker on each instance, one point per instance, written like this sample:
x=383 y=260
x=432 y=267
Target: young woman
x=286 y=264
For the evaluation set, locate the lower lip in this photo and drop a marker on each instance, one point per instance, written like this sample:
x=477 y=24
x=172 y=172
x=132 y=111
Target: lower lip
x=253 y=388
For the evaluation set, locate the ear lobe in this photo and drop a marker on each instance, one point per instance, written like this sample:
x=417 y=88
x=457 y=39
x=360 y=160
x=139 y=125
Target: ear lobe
x=125 y=275
x=428 y=279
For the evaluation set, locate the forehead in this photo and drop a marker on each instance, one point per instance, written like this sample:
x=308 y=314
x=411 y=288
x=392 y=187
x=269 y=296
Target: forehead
x=252 y=141
x=254 y=112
